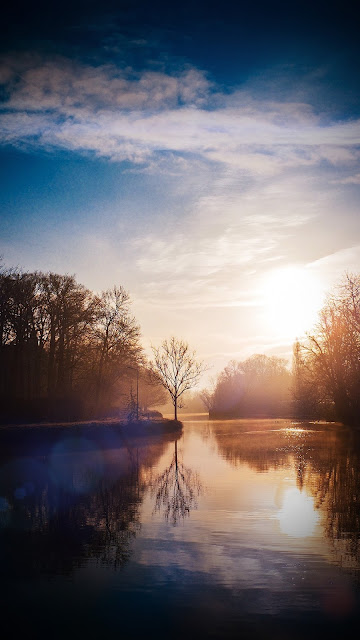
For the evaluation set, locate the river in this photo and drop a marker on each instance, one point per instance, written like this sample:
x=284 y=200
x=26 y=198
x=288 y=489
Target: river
x=234 y=529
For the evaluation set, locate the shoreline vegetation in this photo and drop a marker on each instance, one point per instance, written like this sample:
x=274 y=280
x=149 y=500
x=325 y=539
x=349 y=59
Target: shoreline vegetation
x=70 y=355
x=84 y=436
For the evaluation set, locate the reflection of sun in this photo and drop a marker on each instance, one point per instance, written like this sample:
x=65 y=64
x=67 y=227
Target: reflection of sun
x=293 y=297
x=297 y=516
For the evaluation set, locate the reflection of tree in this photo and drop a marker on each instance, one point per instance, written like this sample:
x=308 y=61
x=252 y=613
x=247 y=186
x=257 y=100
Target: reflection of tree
x=257 y=443
x=53 y=531
x=176 y=490
x=48 y=525
x=326 y=462
x=336 y=486
x=114 y=516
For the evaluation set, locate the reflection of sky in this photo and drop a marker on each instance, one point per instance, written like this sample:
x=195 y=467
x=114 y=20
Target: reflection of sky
x=253 y=551
x=251 y=530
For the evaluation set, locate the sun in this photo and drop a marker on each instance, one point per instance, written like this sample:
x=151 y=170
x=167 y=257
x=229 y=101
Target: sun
x=293 y=296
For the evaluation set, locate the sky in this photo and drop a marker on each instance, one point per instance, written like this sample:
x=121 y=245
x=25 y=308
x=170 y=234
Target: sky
x=204 y=155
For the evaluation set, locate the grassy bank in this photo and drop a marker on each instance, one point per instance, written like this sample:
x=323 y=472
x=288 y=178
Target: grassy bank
x=98 y=433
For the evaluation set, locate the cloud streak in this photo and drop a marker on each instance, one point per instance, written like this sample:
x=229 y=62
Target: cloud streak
x=121 y=114
x=250 y=181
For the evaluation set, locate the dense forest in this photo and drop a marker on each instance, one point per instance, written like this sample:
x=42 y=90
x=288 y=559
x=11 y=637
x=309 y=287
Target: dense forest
x=67 y=353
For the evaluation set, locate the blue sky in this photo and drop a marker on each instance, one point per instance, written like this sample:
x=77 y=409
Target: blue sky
x=204 y=156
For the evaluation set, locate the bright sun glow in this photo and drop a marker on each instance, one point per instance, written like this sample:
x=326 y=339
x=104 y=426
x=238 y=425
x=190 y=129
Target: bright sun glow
x=297 y=516
x=293 y=297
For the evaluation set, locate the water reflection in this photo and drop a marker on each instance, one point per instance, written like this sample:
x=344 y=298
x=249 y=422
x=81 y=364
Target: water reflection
x=326 y=462
x=176 y=490
x=89 y=533
x=77 y=504
x=298 y=516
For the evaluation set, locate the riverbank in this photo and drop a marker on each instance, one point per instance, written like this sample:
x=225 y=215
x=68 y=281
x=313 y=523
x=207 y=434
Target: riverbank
x=96 y=433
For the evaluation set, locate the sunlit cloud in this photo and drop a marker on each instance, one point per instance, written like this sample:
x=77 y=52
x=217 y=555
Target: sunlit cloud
x=253 y=180
x=126 y=115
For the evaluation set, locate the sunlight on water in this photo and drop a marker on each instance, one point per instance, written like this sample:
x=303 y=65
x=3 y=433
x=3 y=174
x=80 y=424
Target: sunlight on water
x=223 y=523
x=297 y=516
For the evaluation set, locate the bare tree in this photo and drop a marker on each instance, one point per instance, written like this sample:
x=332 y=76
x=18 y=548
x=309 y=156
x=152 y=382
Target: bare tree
x=116 y=343
x=176 y=368
x=330 y=356
x=308 y=398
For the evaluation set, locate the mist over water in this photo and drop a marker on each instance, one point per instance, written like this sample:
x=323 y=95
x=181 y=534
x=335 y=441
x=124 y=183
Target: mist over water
x=239 y=528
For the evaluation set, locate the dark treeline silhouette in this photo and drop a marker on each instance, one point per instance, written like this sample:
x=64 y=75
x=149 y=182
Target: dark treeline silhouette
x=258 y=386
x=327 y=364
x=65 y=352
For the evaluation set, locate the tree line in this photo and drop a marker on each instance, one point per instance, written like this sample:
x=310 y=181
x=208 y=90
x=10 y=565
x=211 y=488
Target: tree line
x=258 y=386
x=325 y=379
x=67 y=352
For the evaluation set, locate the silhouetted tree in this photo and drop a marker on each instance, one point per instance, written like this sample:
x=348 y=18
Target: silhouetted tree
x=331 y=353
x=71 y=311
x=306 y=394
x=176 y=368
x=63 y=349
x=115 y=343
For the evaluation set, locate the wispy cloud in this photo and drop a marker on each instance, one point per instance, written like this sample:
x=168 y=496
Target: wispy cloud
x=126 y=115
x=73 y=88
x=251 y=179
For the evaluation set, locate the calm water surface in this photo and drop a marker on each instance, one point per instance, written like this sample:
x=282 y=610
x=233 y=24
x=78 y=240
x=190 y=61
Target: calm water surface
x=236 y=529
